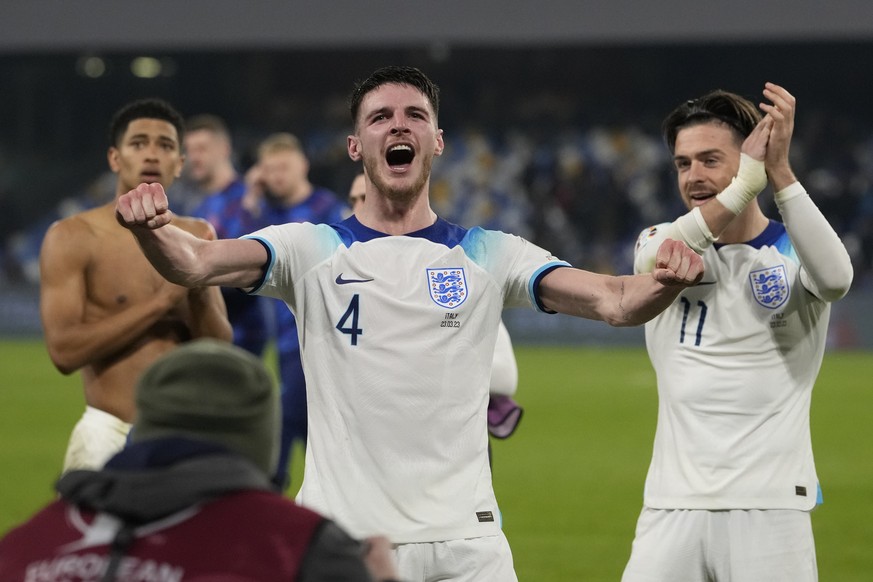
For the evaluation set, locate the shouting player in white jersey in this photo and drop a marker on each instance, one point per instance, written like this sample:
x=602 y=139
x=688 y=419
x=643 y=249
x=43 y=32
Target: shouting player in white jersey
x=504 y=413
x=732 y=478
x=397 y=315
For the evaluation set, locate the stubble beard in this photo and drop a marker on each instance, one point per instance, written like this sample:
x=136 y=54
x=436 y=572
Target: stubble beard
x=399 y=194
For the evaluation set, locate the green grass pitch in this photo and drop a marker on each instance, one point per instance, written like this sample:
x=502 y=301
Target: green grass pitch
x=569 y=481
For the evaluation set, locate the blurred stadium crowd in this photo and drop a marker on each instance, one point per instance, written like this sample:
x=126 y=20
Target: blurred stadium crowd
x=550 y=144
x=583 y=193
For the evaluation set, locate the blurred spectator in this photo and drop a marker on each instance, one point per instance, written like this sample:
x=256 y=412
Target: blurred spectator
x=195 y=479
x=279 y=192
x=209 y=166
x=579 y=192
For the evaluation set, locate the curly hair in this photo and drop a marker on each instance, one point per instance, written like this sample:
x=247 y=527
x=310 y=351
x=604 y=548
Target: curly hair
x=150 y=108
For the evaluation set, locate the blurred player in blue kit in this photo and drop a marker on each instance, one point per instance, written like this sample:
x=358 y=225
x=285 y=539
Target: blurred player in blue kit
x=279 y=192
x=209 y=164
x=732 y=478
x=399 y=312
x=275 y=190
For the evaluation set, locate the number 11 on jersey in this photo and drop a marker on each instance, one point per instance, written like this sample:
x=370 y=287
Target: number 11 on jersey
x=686 y=307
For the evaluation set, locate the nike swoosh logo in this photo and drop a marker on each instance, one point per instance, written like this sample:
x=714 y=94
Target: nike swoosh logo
x=706 y=283
x=341 y=281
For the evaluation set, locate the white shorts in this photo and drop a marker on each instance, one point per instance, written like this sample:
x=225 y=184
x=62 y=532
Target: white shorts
x=484 y=559
x=96 y=437
x=687 y=545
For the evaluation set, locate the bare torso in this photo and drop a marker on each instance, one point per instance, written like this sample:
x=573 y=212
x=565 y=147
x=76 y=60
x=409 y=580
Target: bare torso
x=119 y=276
x=116 y=277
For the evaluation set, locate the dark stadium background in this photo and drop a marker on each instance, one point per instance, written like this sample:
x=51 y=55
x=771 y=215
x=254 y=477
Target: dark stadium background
x=540 y=69
x=559 y=73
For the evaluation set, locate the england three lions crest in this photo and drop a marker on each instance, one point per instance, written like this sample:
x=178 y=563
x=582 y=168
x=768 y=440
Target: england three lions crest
x=448 y=287
x=770 y=286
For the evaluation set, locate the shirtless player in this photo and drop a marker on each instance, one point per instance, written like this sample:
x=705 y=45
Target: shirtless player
x=105 y=310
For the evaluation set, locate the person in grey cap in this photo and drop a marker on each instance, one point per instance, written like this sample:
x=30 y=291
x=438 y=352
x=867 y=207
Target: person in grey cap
x=190 y=497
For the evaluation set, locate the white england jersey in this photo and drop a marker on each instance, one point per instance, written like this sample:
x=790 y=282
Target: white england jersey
x=736 y=358
x=397 y=336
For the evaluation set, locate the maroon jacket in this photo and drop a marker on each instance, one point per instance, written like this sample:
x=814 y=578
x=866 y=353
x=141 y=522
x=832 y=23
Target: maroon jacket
x=206 y=518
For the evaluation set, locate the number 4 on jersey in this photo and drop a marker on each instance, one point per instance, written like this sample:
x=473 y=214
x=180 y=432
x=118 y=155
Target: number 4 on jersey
x=351 y=313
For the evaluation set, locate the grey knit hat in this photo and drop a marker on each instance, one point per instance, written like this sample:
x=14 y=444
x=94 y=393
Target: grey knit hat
x=212 y=391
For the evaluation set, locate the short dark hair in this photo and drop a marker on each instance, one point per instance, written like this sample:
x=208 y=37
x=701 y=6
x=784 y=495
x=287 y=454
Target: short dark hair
x=737 y=112
x=150 y=108
x=397 y=75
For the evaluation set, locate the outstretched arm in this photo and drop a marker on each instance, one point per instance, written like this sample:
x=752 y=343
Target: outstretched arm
x=181 y=257
x=208 y=313
x=627 y=300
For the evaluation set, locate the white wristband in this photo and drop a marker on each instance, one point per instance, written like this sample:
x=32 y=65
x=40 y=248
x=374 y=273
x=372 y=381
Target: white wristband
x=694 y=231
x=751 y=178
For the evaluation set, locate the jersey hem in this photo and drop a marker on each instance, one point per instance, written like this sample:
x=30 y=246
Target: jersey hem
x=713 y=505
x=443 y=535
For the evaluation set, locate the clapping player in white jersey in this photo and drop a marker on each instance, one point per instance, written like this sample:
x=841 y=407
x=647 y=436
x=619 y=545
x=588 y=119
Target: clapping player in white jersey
x=732 y=478
x=397 y=312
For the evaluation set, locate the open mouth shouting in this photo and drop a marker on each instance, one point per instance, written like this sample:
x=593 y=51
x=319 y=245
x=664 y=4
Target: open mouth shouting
x=399 y=157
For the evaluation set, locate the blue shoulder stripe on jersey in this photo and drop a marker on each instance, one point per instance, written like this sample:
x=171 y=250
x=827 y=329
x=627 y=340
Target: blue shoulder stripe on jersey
x=268 y=266
x=774 y=235
x=441 y=232
x=785 y=247
x=476 y=246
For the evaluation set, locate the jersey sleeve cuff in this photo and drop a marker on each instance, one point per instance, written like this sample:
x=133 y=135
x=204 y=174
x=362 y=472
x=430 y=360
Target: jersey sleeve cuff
x=267 y=268
x=535 y=284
